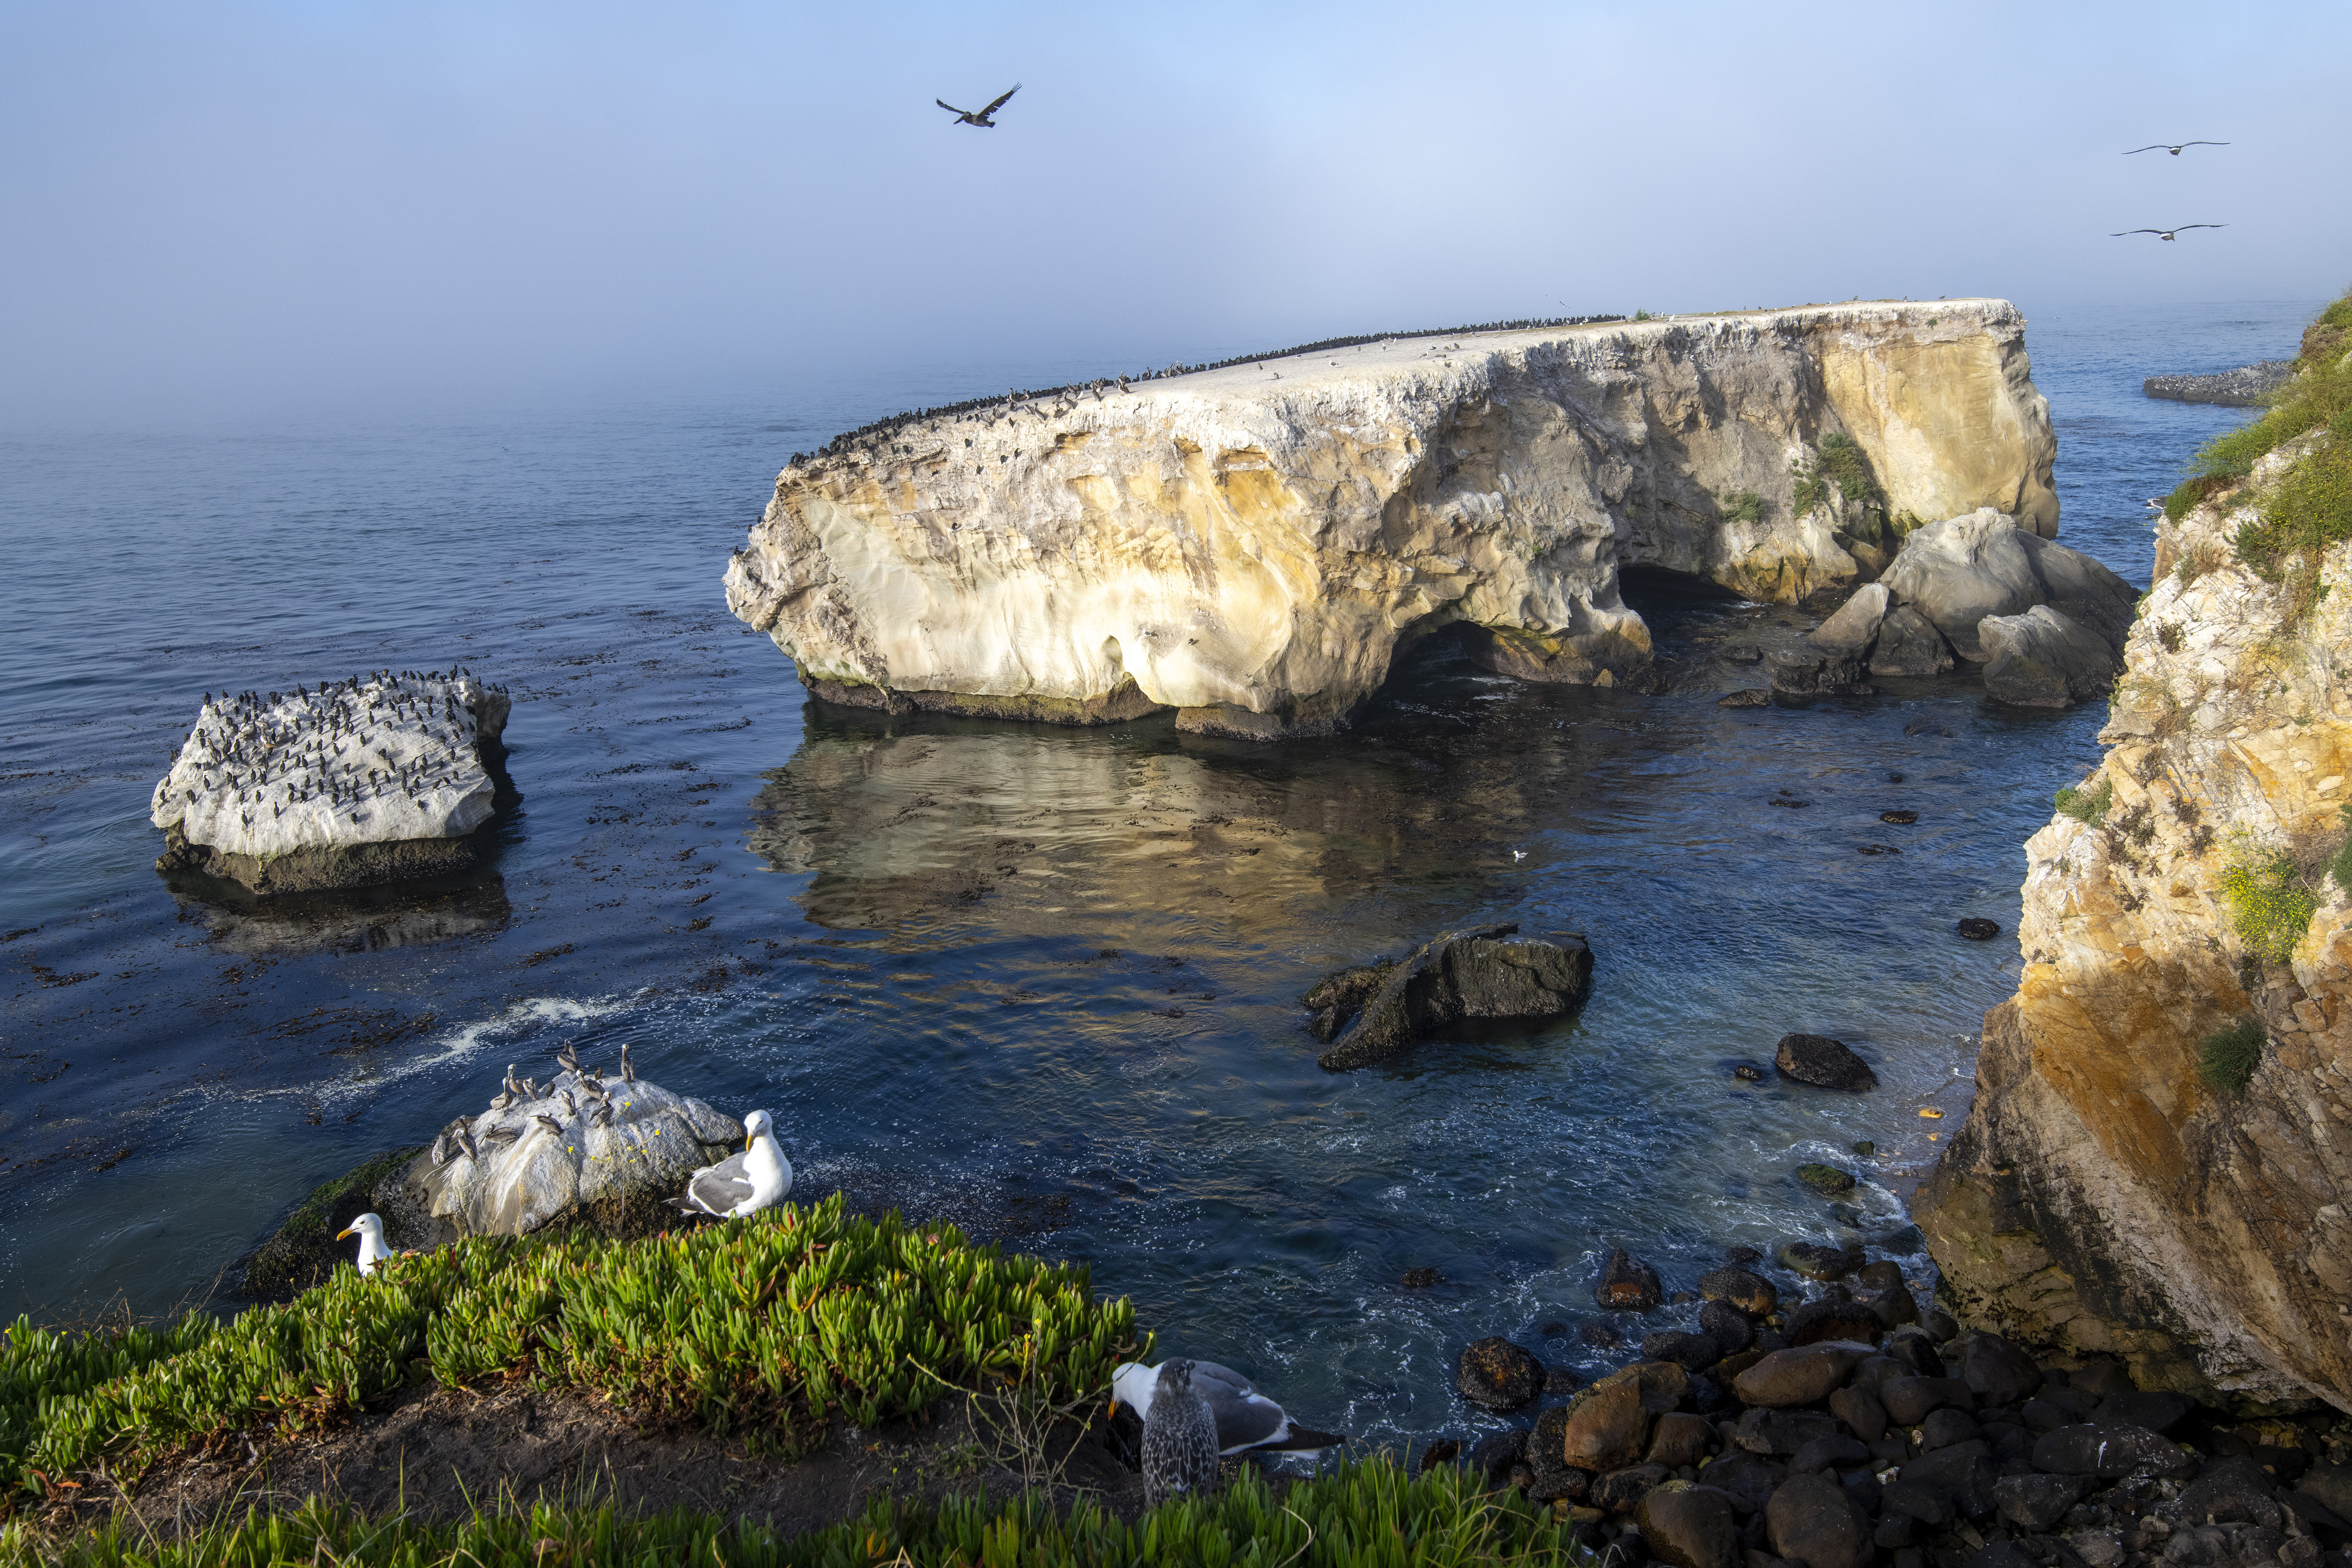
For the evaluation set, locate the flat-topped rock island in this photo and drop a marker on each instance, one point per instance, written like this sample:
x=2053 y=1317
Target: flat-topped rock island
x=375 y=779
x=1252 y=545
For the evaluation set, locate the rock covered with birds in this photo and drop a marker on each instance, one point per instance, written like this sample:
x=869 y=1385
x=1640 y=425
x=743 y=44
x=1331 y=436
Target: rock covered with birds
x=608 y=1148
x=1250 y=545
x=371 y=779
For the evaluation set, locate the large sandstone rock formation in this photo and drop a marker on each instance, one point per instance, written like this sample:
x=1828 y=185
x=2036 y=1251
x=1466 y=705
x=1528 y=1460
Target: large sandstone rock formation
x=1252 y=545
x=2105 y=1197
x=375 y=779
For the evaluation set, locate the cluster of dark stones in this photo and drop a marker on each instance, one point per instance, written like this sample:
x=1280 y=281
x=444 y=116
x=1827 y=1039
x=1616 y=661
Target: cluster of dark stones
x=1855 y=1430
x=891 y=423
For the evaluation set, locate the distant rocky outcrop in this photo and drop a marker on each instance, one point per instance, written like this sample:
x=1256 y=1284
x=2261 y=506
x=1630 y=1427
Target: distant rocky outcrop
x=376 y=779
x=1485 y=973
x=2046 y=623
x=1252 y=546
x=2248 y=386
x=2158 y=1163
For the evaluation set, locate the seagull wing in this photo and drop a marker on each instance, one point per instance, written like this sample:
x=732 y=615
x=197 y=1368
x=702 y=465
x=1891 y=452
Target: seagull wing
x=2151 y=147
x=2206 y=144
x=715 y=1189
x=950 y=108
x=2131 y=231
x=2186 y=226
x=1001 y=101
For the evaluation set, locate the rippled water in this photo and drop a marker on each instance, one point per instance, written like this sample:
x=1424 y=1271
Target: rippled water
x=1041 y=982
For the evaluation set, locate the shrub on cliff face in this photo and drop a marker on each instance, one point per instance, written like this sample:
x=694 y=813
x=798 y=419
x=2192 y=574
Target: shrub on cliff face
x=1839 y=460
x=2341 y=867
x=2269 y=905
x=2087 y=805
x=2227 y=1059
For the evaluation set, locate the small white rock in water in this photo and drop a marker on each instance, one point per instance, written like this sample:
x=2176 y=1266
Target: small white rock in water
x=533 y=1162
x=368 y=780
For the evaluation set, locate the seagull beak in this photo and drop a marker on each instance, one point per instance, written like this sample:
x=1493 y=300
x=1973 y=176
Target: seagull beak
x=347 y=1230
x=1114 y=1405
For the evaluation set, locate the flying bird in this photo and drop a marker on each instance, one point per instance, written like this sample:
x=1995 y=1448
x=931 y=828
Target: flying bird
x=981 y=118
x=2174 y=148
x=2167 y=233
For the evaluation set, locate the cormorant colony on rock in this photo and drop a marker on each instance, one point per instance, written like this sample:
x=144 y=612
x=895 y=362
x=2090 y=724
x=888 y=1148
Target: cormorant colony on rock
x=1017 y=397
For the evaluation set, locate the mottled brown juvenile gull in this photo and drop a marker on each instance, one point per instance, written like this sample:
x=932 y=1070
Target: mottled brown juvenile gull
x=1179 y=1438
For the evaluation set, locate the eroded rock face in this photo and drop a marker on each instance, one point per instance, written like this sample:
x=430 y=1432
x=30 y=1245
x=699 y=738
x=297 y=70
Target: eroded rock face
x=1251 y=546
x=2104 y=1198
x=358 y=782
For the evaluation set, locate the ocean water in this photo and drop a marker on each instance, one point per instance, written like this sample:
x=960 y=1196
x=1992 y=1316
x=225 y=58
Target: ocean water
x=1040 y=982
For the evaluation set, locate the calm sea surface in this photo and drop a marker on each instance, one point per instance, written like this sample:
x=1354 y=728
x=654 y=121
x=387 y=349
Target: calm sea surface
x=1040 y=982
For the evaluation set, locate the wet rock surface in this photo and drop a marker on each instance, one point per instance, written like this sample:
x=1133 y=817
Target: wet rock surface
x=1823 y=1062
x=1488 y=974
x=1498 y=1374
x=1873 y=1457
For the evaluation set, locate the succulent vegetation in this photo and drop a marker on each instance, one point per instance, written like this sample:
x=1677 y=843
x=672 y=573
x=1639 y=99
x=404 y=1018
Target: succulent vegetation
x=770 y=1327
x=2341 y=867
x=2270 y=907
x=1366 y=1513
x=2087 y=805
x=1838 y=459
x=2227 y=1059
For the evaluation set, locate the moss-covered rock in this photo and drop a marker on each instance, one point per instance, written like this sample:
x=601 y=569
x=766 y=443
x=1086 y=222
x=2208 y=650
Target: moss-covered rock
x=303 y=1251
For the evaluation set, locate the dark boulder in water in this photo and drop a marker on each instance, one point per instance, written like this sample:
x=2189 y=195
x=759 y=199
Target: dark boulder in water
x=1823 y=1062
x=1755 y=697
x=1498 y=1374
x=1976 y=930
x=1488 y=974
x=1628 y=1284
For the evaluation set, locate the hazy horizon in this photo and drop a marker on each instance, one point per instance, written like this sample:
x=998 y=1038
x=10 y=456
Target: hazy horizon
x=268 y=211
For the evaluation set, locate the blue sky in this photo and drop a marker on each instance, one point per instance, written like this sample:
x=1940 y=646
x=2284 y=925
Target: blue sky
x=257 y=207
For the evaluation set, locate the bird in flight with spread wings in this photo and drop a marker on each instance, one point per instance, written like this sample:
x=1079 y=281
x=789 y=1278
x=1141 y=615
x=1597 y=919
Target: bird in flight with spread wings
x=963 y=117
x=2173 y=148
x=2167 y=233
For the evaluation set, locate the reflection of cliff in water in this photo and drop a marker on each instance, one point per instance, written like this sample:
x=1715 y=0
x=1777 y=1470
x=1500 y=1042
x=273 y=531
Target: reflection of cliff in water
x=914 y=823
x=352 y=922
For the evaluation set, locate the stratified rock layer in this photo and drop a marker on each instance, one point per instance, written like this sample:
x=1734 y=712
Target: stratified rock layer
x=371 y=780
x=1251 y=546
x=2104 y=1197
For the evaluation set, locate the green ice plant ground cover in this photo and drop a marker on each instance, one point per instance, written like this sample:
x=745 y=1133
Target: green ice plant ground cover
x=771 y=1327
x=1366 y=1514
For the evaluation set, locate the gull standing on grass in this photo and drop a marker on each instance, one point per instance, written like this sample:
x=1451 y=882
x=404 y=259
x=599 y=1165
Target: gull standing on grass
x=372 y=1251
x=742 y=1183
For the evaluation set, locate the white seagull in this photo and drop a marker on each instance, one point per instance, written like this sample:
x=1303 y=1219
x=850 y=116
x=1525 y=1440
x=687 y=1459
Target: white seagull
x=743 y=1184
x=1246 y=1419
x=2173 y=148
x=372 y=1251
x=2165 y=233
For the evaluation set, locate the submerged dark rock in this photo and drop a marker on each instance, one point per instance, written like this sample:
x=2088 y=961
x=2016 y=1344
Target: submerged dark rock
x=1978 y=929
x=1487 y=972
